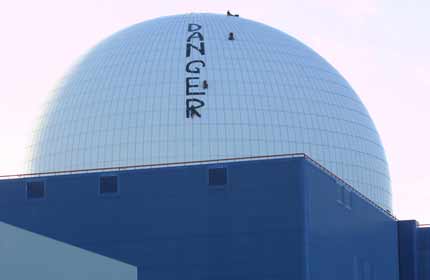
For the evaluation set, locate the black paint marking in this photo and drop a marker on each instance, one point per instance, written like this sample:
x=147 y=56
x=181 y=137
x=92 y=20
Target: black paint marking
x=200 y=49
x=189 y=86
x=194 y=27
x=197 y=35
x=192 y=108
x=196 y=69
x=195 y=45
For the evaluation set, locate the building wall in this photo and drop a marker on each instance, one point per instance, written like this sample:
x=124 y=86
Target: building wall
x=347 y=237
x=424 y=253
x=407 y=231
x=171 y=225
x=273 y=219
x=414 y=250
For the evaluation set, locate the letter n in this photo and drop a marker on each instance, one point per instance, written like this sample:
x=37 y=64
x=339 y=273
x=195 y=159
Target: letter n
x=201 y=49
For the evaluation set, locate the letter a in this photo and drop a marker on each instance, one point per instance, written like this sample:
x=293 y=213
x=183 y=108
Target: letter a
x=196 y=35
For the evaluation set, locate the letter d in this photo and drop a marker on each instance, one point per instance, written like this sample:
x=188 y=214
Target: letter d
x=194 y=27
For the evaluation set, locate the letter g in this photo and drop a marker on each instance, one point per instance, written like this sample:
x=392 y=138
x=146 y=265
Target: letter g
x=196 y=69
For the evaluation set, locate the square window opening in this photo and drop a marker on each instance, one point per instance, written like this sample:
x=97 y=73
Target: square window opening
x=108 y=185
x=35 y=190
x=217 y=176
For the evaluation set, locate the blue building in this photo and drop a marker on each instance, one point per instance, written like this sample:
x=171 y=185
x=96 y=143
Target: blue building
x=205 y=146
x=283 y=217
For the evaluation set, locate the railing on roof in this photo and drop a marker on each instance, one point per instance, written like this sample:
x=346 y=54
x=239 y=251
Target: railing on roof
x=343 y=182
x=197 y=162
x=144 y=166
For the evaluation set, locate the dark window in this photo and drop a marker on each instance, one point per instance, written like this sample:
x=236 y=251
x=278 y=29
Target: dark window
x=217 y=176
x=35 y=190
x=108 y=184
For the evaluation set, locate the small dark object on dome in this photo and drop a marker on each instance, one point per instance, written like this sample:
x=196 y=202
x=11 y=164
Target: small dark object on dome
x=231 y=36
x=231 y=15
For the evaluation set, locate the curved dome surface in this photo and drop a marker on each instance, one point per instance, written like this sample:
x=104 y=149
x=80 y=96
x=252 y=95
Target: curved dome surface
x=143 y=96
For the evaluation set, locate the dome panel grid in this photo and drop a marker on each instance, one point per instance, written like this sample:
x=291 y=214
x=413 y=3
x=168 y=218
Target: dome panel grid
x=124 y=103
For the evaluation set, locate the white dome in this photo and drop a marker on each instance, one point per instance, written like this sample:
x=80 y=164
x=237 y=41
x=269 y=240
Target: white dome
x=125 y=103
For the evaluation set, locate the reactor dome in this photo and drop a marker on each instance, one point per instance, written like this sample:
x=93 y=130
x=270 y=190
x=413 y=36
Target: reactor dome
x=202 y=87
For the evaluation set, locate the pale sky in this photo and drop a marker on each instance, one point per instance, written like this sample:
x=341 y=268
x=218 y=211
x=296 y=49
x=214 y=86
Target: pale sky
x=381 y=47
